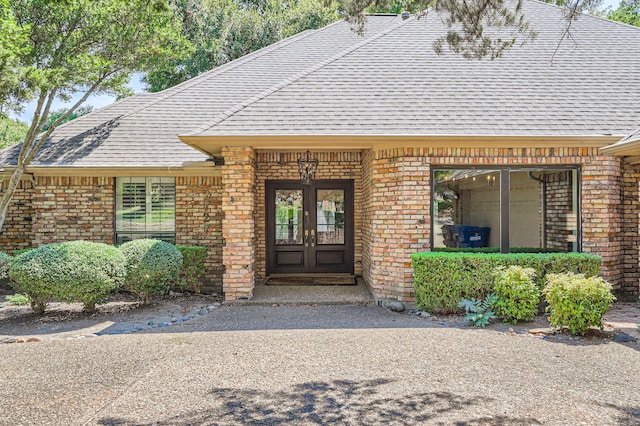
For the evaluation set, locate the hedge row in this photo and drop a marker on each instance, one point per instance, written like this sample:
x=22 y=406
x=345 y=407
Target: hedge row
x=87 y=272
x=495 y=250
x=442 y=280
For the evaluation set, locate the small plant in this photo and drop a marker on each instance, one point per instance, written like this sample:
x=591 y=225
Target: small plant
x=576 y=302
x=152 y=266
x=479 y=312
x=193 y=258
x=17 y=299
x=517 y=295
x=5 y=265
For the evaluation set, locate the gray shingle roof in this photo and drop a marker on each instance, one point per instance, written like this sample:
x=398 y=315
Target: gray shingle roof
x=143 y=130
x=394 y=84
x=331 y=81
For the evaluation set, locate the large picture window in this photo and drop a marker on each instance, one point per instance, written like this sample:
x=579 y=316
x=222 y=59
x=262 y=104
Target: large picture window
x=145 y=208
x=506 y=208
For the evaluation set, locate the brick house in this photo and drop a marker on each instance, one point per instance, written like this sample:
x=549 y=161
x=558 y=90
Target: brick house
x=409 y=144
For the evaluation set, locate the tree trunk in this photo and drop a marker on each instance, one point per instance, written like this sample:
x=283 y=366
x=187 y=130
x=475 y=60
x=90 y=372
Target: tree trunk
x=7 y=194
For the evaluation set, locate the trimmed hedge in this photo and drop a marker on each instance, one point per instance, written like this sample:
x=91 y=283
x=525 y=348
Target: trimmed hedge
x=441 y=280
x=74 y=271
x=152 y=266
x=494 y=250
x=193 y=258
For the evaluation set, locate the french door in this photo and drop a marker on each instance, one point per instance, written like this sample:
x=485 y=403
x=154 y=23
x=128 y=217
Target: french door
x=309 y=227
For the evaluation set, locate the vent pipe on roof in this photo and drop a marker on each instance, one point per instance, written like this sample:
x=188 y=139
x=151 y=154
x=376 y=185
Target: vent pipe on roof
x=405 y=15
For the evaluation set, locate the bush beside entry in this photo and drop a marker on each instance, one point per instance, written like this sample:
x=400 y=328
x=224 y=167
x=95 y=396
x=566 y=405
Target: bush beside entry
x=74 y=271
x=576 y=302
x=442 y=280
x=193 y=258
x=152 y=266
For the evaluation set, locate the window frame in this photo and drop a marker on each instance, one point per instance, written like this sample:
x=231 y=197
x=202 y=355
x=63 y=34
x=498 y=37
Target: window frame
x=505 y=179
x=168 y=236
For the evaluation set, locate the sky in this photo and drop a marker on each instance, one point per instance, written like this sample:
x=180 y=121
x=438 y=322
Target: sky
x=99 y=101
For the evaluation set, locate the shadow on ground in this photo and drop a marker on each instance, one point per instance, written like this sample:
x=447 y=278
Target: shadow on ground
x=336 y=402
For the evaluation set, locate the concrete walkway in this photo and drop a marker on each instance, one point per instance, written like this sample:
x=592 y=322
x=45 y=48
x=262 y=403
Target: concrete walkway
x=292 y=365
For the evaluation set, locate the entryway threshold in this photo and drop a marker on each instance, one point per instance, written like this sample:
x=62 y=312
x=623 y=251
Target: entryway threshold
x=358 y=294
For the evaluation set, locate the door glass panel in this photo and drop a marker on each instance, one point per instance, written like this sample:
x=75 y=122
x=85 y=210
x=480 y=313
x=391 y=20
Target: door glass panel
x=288 y=216
x=330 y=216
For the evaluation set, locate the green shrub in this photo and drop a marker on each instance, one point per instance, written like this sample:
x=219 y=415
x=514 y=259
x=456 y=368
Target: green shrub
x=193 y=258
x=17 y=299
x=5 y=264
x=577 y=302
x=20 y=251
x=441 y=280
x=517 y=296
x=74 y=271
x=152 y=266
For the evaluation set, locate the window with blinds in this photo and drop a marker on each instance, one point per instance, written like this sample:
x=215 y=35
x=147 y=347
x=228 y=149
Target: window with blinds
x=145 y=208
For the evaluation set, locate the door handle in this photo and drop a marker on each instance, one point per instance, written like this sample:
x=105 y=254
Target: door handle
x=313 y=237
x=306 y=238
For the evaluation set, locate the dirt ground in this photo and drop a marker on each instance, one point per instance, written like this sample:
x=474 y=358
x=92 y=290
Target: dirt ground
x=122 y=312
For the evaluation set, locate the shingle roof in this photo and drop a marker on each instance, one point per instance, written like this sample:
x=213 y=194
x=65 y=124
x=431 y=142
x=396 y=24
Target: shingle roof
x=395 y=84
x=333 y=82
x=143 y=130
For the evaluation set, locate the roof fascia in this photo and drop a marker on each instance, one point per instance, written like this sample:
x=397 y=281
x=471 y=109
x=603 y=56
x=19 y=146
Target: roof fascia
x=188 y=169
x=212 y=145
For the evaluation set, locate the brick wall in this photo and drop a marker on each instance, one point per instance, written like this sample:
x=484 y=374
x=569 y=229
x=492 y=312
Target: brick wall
x=398 y=211
x=283 y=166
x=400 y=216
x=630 y=233
x=73 y=208
x=559 y=217
x=17 y=232
x=199 y=222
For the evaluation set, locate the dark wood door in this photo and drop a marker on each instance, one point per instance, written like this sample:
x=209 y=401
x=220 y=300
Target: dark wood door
x=309 y=227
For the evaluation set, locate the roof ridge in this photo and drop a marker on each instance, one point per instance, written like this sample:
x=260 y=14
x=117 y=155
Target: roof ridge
x=228 y=66
x=292 y=79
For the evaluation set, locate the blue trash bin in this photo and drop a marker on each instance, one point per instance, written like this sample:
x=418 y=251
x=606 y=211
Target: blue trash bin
x=474 y=236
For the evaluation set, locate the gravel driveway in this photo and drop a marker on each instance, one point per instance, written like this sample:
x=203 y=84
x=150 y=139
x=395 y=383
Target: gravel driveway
x=356 y=365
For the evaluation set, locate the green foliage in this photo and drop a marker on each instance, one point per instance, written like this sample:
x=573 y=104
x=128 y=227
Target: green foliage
x=20 y=251
x=479 y=313
x=17 y=299
x=576 y=302
x=224 y=30
x=152 y=266
x=55 y=115
x=628 y=11
x=441 y=280
x=5 y=264
x=13 y=39
x=192 y=272
x=11 y=131
x=74 y=271
x=494 y=250
x=79 y=46
x=517 y=295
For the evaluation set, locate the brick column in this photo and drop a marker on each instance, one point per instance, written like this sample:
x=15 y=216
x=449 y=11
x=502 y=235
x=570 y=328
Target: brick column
x=601 y=214
x=238 y=225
